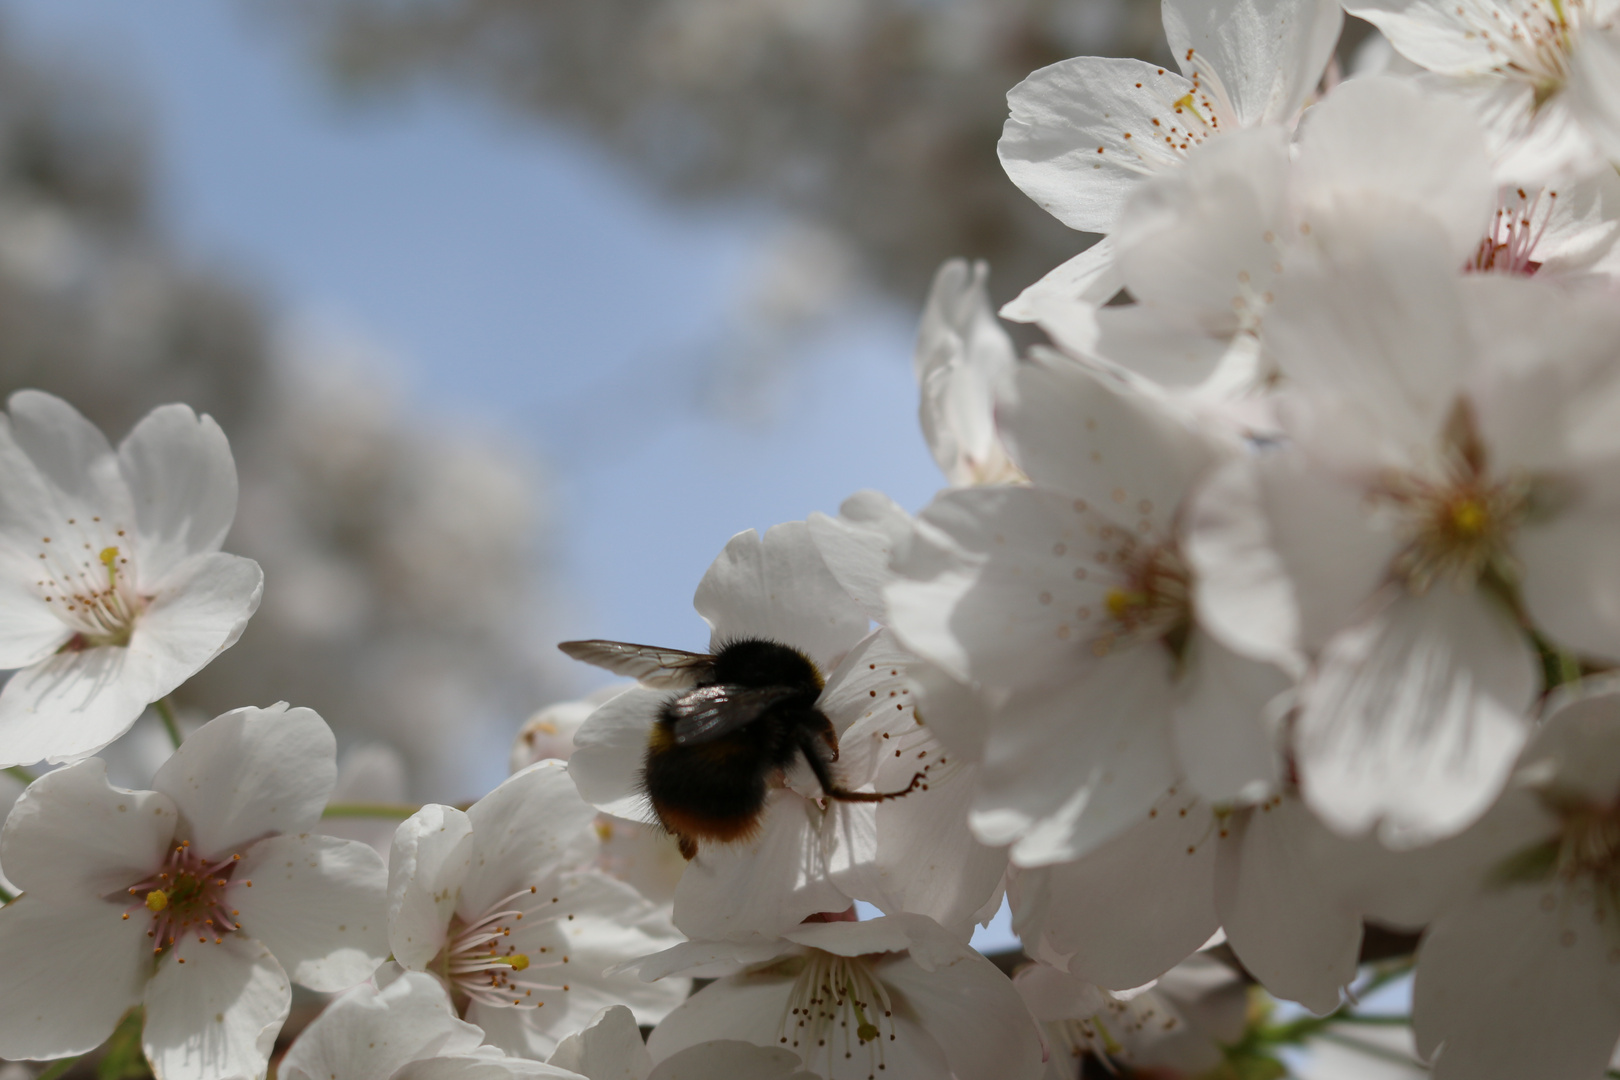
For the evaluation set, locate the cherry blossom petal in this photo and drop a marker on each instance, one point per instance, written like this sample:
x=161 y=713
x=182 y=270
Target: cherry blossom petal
x=1067 y=769
x=1594 y=73
x=1124 y=452
x=481 y=1066
x=319 y=903
x=972 y=1011
x=1134 y=907
x=71 y=456
x=1227 y=720
x=1268 y=55
x=732 y=1059
x=1414 y=718
x=196 y=613
x=779 y=588
x=1065 y=142
x=1064 y=303
x=182 y=481
x=858 y=543
x=610 y=1047
x=71 y=705
x=610 y=750
x=432 y=852
x=1571 y=585
x=370 y=1032
x=1514 y=961
x=250 y=772
x=217 y=1013
x=73 y=964
x=529 y=828
x=1281 y=916
x=73 y=834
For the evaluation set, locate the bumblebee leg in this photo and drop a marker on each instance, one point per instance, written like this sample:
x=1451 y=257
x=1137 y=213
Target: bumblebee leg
x=687 y=845
x=831 y=788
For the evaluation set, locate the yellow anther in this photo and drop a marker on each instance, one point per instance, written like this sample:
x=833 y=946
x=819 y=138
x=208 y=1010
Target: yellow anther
x=1469 y=517
x=157 y=900
x=1185 y=101
x=1121 y=601
x=604 y=831
x=866 y=1032
x=517 y=961
x=109 y=559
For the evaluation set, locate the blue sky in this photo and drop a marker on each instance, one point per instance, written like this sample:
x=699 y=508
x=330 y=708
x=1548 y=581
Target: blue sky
x=524 y=287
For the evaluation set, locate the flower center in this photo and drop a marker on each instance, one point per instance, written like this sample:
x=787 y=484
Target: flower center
x=1152 y=598
x=1509 y=247
x=836 y=1009
x=1590 y=846
x=480 y=963
x=1532 y=45
x=186 y=896
x=86 y=578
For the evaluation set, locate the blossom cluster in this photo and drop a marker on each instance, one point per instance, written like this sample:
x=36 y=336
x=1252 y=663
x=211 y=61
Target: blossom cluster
x=1271 y=607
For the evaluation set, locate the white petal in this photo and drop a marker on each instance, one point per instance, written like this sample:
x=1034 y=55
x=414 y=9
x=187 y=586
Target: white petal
x=779 y=588
x=857 y=545
x=1129 y=455
x=29 y=630
x=71 y=705
x=1284 y=921
x=481 y=1066
x=527 y=829
x=368 y=1033
x=1064 y=114
x=432 y=852
x=197 y=612
x=1384 y=137
x=775 y=880
x=1068 y=769
x=215 y=1016
x=610 y=1047
x=1226 y=722
x=73 y=833
x=1440 y=37
x=1515 y=964
x=319 y=903
x=732 y=1059
x=1268 y=55
x=1134 y=907
x=1415 y=716
x=72 y=965
x=1571 y=584
x=610 y=750
x=70 y=454
x=1168 y=344
x=1064 y=303
x=1594 y=73
x=182 y=480
x=971 y=1009
x=250 y=772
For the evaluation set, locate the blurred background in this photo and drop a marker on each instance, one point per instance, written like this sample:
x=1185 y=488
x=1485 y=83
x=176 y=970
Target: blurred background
x=514 y=310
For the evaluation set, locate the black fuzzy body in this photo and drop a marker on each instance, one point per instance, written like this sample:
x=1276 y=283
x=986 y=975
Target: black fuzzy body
x=715 y=789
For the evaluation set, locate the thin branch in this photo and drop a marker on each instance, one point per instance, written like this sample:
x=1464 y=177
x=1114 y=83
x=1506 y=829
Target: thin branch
x=166 y=712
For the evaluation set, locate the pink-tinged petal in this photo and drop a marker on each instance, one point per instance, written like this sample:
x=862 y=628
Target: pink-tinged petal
x=1282 y=917
x=182 y=480
x=481 y=1066
x=72 y=833
x=732 y=1059
x=780 y=588
x=431 y=855
x=250 y=772
x=610 y=1047
x=370 y=1032
x=610 y=750
x=1512 y=962
x=319 y=903
x=1227 y=721
x=70 y=964
x=1068 y=769
x=1384 y=137
x=1064 y=303
x=1134 y=907
x=1065 y=143
x=529 y=828
x=215 y=1016
x=775 y=880
x=1413 y=720
x=1128 y=454
x=857 y=545
x=1267 y=56
x=972 y=1011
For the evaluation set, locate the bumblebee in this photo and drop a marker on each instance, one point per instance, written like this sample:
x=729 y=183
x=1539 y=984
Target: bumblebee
x=742 y=715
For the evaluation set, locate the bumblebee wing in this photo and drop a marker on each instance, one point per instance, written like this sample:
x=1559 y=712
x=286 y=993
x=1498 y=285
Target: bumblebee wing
x=709 y=712
x=655 y=667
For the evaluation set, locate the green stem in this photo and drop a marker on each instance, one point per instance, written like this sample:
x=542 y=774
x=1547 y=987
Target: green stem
x=58 y=1067
x=6 y=895
x=399 y=811
x=1371 y=1018
x=166 y=712
x=19 y=773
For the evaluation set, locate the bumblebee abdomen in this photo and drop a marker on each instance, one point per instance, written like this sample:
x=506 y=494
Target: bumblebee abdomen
x=715 y=790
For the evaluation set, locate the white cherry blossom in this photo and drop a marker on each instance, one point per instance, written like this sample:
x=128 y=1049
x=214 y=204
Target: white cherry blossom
x=401 y=1028
x=897 y=997
x=610 y=1047
x=113 y=590
x=201 y=899
x=501 y=903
